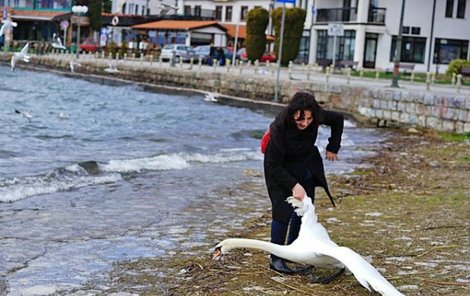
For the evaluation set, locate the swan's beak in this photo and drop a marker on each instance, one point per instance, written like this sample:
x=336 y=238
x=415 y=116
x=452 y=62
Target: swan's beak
x=217 y=254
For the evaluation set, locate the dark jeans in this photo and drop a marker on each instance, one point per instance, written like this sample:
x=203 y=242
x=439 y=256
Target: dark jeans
x=279 y=229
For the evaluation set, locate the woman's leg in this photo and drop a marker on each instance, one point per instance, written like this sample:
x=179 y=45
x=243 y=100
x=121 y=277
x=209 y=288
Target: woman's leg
x=278 y=234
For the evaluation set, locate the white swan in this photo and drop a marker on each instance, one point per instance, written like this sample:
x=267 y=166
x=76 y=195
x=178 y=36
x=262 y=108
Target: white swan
x=22 y=55
x=314 y=247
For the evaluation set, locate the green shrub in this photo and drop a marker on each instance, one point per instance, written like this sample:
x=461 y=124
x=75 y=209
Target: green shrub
x=293 y=29
x=255 y=42
x=456 y=65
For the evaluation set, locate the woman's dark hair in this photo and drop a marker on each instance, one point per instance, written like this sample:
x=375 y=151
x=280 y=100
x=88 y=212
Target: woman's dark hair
x=302 y=101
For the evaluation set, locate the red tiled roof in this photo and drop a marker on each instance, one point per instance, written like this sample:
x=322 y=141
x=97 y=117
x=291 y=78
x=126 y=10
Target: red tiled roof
x=177 y=25
x=231 y=30
x=37 y=14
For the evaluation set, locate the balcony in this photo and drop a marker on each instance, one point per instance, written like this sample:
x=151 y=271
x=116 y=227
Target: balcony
x=348 y=14
x=376 y=15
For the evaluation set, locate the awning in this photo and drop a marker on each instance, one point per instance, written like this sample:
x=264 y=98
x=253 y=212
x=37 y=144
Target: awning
x=179 y=25
x=40 y=15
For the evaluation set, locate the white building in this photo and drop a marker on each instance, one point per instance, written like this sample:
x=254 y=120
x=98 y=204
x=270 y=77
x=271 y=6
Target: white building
x=434 y=32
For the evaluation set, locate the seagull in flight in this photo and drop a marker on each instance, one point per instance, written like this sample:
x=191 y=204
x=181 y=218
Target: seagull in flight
x=27 y=115
x=18 y=56
x=74 y=64
x=111 y=69
x=7 y=25
x=57 y=43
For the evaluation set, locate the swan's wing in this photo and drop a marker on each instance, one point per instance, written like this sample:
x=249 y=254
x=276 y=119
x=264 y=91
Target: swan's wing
x=364 y=272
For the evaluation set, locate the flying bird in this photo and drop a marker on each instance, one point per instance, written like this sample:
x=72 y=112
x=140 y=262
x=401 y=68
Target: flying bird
x=74 y=64
x=57 y=43
x=314 y=247
x=7 y=25
x=111 y=69
x=18 y=56
x=27 y=115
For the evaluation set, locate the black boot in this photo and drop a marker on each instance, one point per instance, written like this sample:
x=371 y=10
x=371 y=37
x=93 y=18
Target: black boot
x=279 y=265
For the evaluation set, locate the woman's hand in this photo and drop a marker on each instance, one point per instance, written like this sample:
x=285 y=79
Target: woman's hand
x=331 y=156
x=298 y=192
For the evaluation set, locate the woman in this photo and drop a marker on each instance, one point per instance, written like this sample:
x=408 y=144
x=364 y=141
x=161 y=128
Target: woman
x=293 y=165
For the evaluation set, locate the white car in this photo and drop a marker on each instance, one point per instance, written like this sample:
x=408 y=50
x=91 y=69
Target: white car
x=180 y=51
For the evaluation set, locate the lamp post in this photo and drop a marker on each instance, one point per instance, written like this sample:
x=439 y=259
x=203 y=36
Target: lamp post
x=79 y=10
x=396 y=66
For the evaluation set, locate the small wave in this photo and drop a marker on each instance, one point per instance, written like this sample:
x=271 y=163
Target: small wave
x=74 y=176
x=23 y=187
x=178 y=161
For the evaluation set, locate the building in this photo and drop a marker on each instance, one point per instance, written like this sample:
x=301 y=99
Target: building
x=434 y=32
x=431 y=38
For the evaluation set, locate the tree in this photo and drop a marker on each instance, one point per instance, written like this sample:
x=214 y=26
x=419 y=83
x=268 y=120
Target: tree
x=94 y=14
x=255 y=42
x=293 y=28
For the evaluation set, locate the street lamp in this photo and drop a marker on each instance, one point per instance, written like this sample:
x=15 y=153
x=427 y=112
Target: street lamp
x=79 y=10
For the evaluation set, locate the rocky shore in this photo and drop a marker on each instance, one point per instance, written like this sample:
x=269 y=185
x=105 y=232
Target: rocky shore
x=408 y=211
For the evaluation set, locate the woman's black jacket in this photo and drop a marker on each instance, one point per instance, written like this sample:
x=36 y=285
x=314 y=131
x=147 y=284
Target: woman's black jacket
x=290 y=152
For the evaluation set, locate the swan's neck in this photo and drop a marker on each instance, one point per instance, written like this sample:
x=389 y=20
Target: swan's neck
x=238 y=243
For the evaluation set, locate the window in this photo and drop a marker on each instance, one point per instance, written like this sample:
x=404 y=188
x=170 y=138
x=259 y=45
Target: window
x=187 y=10
x=228 y=13
x=461 y=8
x=243 y=13
x=449 y=8
x=412 y=49
x=136 y=9
x=197 y=10
x=415 y=30
x=218 y=13
x=446 y=50
x=405 y=30
x=344 y=47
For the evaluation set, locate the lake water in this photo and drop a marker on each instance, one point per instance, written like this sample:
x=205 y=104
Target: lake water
x=157 y=154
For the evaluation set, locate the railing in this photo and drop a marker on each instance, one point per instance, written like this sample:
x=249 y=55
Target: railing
x=348 y=14
x=377 y=15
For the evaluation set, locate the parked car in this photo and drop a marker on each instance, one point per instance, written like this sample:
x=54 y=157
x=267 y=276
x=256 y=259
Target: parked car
x=182 y=52
x=203 y=52
x=89 y=45
x=267 y=56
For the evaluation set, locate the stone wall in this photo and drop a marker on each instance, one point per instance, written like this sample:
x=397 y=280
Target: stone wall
x=381 y=105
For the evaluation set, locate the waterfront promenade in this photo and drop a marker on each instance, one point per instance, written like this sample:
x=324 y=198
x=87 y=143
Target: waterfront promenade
x=435 y=106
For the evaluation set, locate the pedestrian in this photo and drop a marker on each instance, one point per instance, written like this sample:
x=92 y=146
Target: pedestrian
x=221 y=56
x=293 y=165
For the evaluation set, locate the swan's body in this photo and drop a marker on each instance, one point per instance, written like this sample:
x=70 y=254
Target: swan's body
x=314 y=247
x=57 y=42
x=7 y=25
x=18 y=56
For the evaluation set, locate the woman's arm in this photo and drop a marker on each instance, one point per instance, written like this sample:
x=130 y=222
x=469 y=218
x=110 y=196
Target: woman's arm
x=335 y=121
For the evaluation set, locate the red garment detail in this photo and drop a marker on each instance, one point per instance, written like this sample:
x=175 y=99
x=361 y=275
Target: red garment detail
x=265 y=140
